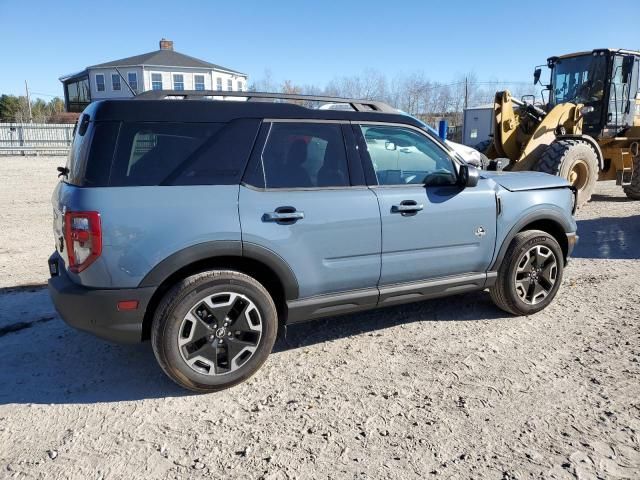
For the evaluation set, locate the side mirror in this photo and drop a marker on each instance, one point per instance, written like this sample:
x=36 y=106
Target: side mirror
x=536 y=75
x=389 y=145
x=468 y=176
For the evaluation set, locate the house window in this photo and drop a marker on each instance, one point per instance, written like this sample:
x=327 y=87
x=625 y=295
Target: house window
x=219 y=84
x=115 y=82
x=178 y=81
x=132 y=78
x=229 y=84
x=156 y=81
x=199 y=82
x=100 y=82
x=239 y=85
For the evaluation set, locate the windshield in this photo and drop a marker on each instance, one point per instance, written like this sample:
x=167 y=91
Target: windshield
x=579 y=79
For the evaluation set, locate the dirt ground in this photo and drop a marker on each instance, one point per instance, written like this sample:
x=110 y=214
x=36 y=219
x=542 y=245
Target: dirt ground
x=450 y=388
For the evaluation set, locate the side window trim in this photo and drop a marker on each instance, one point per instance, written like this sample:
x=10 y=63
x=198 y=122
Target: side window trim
x=367 y=163
x=356 y=173
x=251 y=178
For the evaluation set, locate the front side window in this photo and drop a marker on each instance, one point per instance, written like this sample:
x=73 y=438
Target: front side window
x=219 y=84
x=304 y=155
x=132 y=78
x=178 y=81
x=156 y=81
x=229 y=84
x=115 y=82
x=402 y=156
x=199 y=82
x=100 y=82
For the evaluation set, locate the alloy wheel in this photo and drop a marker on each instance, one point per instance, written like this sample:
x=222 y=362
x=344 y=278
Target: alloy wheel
x=536 y=274
x=220 y=333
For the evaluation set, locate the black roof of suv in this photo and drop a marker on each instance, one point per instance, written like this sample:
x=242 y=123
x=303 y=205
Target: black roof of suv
x=196 y=106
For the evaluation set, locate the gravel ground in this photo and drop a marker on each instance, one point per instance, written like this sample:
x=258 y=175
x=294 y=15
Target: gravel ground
x=449 y=388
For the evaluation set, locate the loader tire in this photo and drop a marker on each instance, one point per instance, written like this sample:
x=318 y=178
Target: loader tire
x=574 y=160
x=633 y=191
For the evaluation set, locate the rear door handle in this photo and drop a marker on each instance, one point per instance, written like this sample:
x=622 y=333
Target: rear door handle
x=283 y=216
x=407 y=207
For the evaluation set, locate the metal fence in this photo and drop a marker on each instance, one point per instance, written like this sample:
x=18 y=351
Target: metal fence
x=35 y=138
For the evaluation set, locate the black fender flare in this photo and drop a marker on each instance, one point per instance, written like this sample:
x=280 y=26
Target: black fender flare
x=544 y=214
x=591 y=141
x=224 y=248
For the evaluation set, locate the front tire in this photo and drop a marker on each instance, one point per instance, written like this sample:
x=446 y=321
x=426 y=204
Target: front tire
x=633 y=190
x=574 y=160
x=214 y=330
x=530 y=273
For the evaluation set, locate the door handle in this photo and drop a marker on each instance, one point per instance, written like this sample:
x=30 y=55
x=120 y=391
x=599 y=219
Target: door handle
x=407 y=207
x=283 y=216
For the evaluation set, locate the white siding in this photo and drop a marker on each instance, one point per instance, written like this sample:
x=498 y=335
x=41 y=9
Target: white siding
x=108 y=90
x=144 y=79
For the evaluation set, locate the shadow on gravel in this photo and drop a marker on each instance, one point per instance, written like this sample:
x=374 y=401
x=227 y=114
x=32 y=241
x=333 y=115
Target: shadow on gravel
x=23 y=288
x=609 y=237
x=54 y=364
x=47 y=362
x=621 y=198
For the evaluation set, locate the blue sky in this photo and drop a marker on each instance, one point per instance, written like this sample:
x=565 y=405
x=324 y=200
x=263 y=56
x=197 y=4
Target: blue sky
x=309 y=42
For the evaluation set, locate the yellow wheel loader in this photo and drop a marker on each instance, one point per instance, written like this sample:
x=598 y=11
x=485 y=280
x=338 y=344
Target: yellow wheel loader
x=587 y=130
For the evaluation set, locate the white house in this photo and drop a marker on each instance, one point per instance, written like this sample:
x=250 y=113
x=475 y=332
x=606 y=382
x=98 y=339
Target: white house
x=163 y=69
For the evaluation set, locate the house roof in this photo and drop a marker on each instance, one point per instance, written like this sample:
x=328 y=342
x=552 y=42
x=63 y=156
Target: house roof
x=165 y=58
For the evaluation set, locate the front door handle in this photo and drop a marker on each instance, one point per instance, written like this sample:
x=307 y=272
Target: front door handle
x=407 y=207
x=283 y=216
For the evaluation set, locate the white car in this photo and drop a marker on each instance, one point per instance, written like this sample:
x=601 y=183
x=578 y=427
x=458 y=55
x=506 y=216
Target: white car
x=468 y=154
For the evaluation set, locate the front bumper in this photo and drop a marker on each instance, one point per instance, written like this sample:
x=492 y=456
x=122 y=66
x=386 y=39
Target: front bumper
x=95 y=310
x=572 y=240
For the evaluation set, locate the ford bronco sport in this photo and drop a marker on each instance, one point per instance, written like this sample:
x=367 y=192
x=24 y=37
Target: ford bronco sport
x=205 y=224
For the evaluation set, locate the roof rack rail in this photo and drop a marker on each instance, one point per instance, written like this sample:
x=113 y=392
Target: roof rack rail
x=359 y=105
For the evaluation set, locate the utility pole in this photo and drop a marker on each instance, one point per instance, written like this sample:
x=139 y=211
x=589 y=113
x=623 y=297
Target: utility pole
x=466 y=92
x=26 y=86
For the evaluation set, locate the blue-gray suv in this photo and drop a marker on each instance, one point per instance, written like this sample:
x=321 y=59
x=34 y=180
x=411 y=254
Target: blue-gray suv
x=205 y=224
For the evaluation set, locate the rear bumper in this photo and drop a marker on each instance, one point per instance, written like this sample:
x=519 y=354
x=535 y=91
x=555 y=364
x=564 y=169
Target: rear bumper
x=95 y=310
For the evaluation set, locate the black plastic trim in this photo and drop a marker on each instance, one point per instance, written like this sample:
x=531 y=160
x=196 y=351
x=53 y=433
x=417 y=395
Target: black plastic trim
x=423 y=290
x=189 y=255
x=95 y=310
x=321 y=306
x=224 y=248
x=276 y=263
x=545 y=214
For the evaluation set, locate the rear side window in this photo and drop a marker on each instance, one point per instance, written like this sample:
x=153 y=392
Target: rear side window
x=305 y=155
x=182 y=153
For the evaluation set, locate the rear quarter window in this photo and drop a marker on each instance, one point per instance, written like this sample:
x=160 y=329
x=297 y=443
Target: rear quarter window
x=167 y=153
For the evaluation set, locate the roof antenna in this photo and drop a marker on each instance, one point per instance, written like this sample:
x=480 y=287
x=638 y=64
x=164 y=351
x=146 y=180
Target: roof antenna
x=125 y=82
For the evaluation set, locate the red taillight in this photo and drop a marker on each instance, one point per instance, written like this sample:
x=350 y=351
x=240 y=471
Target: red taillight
x=83 y=239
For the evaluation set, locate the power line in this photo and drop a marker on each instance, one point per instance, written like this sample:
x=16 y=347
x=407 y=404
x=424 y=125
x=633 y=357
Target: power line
x=45 y=94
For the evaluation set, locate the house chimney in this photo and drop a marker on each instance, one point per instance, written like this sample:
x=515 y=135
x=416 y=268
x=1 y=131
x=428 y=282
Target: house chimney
x=166 y=44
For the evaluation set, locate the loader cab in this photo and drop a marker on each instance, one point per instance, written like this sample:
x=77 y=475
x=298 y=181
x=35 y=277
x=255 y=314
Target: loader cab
x=606 y=80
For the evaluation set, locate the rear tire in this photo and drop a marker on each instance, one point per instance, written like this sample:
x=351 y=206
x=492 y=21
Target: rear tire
x=574 y=160
x=214 y=330
x=633 y=191
x=530 y=273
